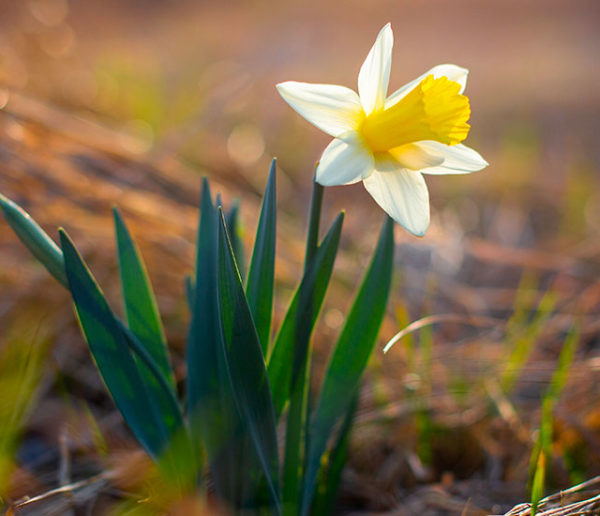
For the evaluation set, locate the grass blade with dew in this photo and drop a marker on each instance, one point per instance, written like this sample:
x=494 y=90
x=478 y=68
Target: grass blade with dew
x=259 y=284
x=246 y=366
x=109 y=347
x=35 y=239
x=350 y=356
x=295 y=330
x=142 y=314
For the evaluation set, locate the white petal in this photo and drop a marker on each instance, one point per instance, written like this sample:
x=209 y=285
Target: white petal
x=333 y=109
x=457 y=159
x=344 y=162
x=415 y=157
x=374 y=74
x=453 y=72
x=402 y=194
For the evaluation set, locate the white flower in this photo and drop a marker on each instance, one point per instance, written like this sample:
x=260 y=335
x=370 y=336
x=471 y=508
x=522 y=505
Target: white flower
x=387 y=142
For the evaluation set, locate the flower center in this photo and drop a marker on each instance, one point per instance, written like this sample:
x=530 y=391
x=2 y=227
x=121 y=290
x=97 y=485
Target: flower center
x=433 y=110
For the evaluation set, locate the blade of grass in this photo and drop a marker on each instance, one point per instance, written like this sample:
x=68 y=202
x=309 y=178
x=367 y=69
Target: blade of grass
x=259 y=285
x=525 y=341
x=538 y=485
x=350 y=356
x=565 y=360
x=23 y=353
x=246 y=366
x=543 y=447
x=110 y=349
x=423 y=422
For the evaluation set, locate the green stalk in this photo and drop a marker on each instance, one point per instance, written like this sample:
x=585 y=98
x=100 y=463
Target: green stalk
x=312 y=238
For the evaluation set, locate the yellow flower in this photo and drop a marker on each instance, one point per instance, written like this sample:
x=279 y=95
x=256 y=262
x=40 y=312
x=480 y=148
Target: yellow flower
x=387 y=142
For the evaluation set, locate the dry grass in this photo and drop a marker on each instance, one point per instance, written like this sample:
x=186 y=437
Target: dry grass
x=581 y=499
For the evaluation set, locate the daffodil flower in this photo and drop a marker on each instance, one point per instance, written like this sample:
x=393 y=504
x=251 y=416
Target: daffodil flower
x=387 y=142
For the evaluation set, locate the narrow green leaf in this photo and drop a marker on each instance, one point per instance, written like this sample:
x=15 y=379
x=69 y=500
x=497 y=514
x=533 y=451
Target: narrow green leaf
x=291 y=343
x=246 y=366
x=141 y=308
x=543 y=446
x=144 y=320
x=204 y=327
x=259 y=285
x=295 y=440
x=189 y=292
x=110 y=350
x=350 y=356
x=523 y=342
x=296 y=436
x=35 y=239
x=235 y=234
x=214 y=419
x=538 y=485
x=329 y=484
x=565 y=360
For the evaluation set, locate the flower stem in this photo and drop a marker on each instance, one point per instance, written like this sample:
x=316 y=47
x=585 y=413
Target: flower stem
x=314 y=221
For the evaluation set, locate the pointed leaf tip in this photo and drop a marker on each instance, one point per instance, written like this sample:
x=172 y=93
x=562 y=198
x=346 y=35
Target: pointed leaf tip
x=108 y=344
x=259 y=286
x=41 y=246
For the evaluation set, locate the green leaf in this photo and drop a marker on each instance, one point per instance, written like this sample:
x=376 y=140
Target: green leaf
x=143 y=317
x=214 y=418
x=328 y=486
x=565 y=361
x=246 y=366
x=350 y=356
x=110 y=350
x=50 y=255
x=235 y=234
x=259 y=285
x=189 y=291
x=141 y=308
x=296 y=435
x=291 y=343
x=538 y=485
x=295 y=440
x=35 y=239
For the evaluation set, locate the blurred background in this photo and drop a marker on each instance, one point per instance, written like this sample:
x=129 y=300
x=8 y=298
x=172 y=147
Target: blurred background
x=131 y=102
